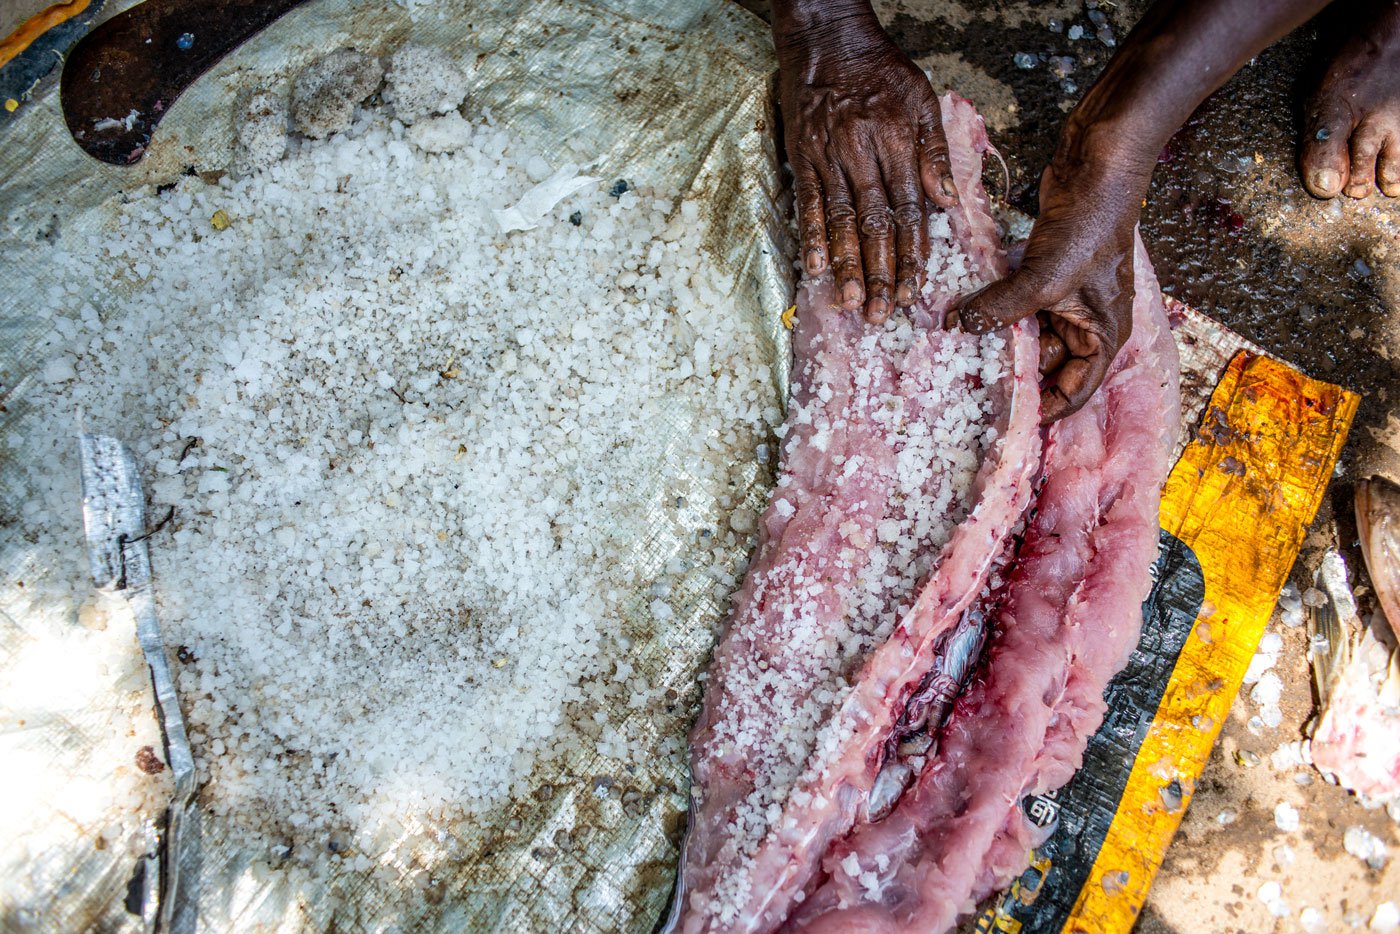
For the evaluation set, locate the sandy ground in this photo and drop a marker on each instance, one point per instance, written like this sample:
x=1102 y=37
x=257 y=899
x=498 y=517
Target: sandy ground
x=1233 y=233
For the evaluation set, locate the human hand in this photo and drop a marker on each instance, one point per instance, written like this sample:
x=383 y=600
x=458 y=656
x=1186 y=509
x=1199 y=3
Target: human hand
x=866 y=145
x=1076 y=275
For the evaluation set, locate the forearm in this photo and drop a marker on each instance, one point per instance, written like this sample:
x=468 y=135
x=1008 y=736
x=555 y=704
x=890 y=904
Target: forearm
x=1176 y=56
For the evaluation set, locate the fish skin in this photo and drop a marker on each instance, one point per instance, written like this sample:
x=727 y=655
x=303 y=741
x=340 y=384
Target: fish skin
x=1378 y=527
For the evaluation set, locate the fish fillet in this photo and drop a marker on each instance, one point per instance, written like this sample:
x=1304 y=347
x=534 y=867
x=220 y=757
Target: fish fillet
x=907 y=458
x=1067 y=622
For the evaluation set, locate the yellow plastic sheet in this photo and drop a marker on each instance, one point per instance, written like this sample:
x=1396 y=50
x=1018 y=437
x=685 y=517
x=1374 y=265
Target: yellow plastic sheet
x=1234 y=513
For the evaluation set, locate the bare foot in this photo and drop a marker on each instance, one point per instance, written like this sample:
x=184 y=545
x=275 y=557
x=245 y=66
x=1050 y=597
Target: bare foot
x=1352 y=121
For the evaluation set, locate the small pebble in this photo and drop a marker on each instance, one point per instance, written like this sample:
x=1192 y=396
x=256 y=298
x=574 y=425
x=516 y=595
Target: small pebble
x=1312 y=921
x=1076 y=32
x=1314 y=598
x=1227 y=817
x=1286 y=817
x=1055 y=25
x=1319 y=644
x=1246 y=759
x=1024 y=60
x=1113 y=882
x=1061 y=66
x=1271 y=894
x=1386 y=918
x=1069 y=87
x=1268 y=691
x=1365 y=846
x=1258 y=665
x=1284 y=855
x=1105 y=35
x=1361 y=268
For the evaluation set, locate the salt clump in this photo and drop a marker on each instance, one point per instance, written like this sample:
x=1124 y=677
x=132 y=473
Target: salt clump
x=422 y=81
x=447 y=133
x=261 y=126
x=325 y=94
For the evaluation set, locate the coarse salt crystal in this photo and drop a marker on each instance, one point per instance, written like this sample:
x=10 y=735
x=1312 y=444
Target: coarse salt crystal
x=1386 y=917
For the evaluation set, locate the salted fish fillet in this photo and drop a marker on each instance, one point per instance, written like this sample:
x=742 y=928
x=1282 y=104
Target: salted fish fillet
x=830 y=635
x=1068 y=621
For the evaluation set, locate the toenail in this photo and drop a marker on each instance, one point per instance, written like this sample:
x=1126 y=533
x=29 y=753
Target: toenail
x=1326 y=180
x=1323 y=134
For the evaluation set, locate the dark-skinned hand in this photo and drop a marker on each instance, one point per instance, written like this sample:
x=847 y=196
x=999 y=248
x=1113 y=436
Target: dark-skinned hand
x=866 y=145
x=1077 y=276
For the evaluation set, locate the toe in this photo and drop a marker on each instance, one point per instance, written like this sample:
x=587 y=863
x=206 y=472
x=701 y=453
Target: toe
x=1325 y=154
x=1365 y=149
x=1388 y=167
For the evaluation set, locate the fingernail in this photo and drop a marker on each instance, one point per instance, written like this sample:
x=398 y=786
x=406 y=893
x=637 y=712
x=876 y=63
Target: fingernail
x=951 y=320
x=816 y=261
x=949 y=188
x=877 y=311
x=851 y=294
x=904 y=294
x=1326 y=180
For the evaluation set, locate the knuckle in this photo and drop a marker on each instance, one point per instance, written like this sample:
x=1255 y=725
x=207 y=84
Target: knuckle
x=876 y=223
x=907 y=215
x=935 y=153
x=840 y=214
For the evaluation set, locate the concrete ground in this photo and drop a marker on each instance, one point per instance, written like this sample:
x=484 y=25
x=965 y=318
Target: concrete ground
x=1232 y=233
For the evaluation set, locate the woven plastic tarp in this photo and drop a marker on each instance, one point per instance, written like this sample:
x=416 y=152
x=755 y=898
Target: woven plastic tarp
x=673 y=95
